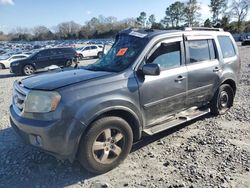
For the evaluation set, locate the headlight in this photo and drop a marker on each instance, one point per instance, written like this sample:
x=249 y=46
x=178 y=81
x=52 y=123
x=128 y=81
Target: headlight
x=15 y=64
x=41 y=101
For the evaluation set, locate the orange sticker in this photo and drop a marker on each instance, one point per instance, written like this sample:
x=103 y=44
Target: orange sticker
x=122 y=52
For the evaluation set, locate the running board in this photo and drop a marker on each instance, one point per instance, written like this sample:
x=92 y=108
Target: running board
x=180 y=118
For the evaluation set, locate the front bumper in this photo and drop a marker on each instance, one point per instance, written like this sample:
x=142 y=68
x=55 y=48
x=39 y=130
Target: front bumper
x=59 y=138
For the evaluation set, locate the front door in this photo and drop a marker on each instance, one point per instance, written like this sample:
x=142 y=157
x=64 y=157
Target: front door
x=44 y=59
x=164 y=95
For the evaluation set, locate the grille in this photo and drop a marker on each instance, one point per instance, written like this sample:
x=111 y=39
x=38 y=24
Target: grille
x=19 y=95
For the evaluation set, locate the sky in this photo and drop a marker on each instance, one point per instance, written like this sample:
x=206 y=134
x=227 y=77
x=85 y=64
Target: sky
x=30 y=13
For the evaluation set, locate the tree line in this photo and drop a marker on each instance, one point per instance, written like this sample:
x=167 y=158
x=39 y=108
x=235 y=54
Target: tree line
x=229 y=16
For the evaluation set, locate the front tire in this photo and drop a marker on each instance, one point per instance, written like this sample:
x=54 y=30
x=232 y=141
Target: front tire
x=2 y=66
x=222 y=100
x=28 y=70
x=105 y=145
x=81 y=57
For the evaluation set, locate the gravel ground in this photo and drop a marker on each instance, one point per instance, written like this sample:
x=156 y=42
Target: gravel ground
x=207 y=152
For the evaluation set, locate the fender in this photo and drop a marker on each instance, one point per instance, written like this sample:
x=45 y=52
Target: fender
x=94 y=108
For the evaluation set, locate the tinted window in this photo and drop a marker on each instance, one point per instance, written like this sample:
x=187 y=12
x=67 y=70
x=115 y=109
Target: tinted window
x=87 y=48
x=167 y=56
x=67 y=50
x=227 y=46
x=198 y=50
x=18 y=57
x=43 y=53
x=93 y=47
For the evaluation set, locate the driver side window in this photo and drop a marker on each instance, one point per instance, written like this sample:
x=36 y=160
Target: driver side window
x=167 y=55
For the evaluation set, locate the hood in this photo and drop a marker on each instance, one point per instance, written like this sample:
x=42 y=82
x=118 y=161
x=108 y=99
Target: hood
x=51 y=81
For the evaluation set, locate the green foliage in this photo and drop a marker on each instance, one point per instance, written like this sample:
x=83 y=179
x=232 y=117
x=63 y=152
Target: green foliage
x=174 y=14
x=177 y=15
x=208 y=23
x=191 y=13
x=217 y=8
x=141 y=20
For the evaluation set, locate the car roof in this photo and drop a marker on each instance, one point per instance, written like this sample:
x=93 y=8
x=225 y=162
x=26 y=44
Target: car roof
x=18 y=55
x=151 y=33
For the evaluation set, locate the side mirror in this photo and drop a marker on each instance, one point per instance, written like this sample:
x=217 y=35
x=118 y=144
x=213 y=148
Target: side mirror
x=151 y=69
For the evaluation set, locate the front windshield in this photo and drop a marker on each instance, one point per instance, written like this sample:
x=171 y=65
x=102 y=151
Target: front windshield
x=122 y=54
x=33 y=54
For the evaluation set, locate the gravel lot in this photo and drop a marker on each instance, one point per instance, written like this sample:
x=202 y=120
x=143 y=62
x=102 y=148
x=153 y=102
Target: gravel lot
x=207 y=152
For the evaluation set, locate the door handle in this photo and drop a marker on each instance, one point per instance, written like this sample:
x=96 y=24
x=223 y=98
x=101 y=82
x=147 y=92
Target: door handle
x=216 y=69
x=180 y=78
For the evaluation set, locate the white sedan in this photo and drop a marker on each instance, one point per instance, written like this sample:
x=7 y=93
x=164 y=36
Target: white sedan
x=5 y=63
x=90 y=51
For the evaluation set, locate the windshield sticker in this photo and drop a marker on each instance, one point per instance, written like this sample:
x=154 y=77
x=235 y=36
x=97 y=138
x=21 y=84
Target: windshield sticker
x=122 y=52
x=137 y=34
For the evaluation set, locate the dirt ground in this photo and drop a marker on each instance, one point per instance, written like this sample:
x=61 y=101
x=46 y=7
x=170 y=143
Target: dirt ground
x=207 y=152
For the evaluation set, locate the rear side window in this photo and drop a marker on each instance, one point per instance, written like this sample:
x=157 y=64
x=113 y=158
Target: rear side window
x=167 y=55
x=44 y=53
x=201 y=50
x=227 y=46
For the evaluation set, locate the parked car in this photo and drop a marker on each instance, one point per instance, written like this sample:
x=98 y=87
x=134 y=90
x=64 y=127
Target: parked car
x=245 y=40
x=5 y=63
x=62 y=57
x=148 y=82
x=90 y=51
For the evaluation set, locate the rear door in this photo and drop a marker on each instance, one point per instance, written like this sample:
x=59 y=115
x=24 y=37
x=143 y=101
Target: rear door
x=58 y=56
x=94 y=51
x=203 y=68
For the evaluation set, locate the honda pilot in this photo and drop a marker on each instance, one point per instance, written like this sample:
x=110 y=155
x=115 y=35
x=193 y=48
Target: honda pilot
x=148 y=82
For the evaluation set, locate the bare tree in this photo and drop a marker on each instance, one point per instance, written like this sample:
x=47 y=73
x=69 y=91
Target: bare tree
x=239 y=10
x=42 y=33
x=68 y=29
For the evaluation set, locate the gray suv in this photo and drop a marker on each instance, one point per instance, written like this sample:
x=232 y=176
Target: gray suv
x=148 y=82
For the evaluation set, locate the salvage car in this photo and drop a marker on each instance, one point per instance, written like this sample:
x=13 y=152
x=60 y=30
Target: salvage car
x=148 y=82
x=62 y=57
x=90 y=51
x=245 y=40
x=5 y=62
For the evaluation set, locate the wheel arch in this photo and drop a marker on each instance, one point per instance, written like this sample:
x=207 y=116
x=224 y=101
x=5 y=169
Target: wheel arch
x=3 y=65
x=232 y=84
x=124 y=113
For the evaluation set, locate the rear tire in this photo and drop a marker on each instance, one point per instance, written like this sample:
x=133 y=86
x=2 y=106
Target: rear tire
x=28 y=70
x=68 y=63
x=222 y=100
x=105 y=145
x=100 y=55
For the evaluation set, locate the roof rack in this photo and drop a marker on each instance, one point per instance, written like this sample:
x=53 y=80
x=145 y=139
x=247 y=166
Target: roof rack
x=202 y=29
